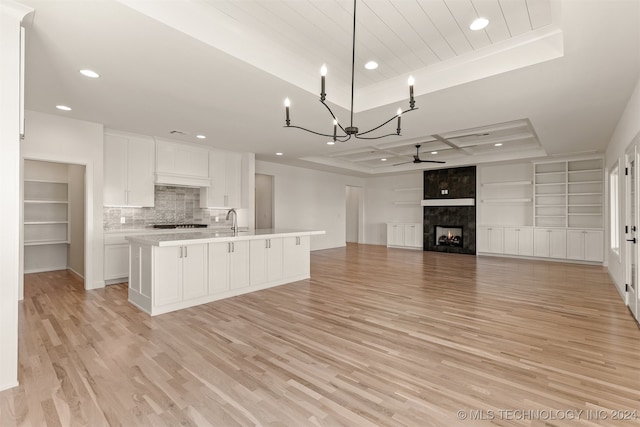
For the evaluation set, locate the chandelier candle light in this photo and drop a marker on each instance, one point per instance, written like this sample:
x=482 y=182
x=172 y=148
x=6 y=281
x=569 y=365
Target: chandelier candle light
x=350 y=130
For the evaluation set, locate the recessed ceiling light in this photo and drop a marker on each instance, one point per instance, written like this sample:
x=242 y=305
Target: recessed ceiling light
x=479 y=24
x=371 y=65
x=279 y=154
x=331 y=143
x=63 y=107
x=498 y=144
x=434 y=152
x=383 y=160
x=89 y=73
x=201 y=137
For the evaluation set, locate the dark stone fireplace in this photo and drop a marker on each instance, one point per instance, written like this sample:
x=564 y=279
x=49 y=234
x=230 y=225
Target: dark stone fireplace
x=449 y=227
x=448 y=235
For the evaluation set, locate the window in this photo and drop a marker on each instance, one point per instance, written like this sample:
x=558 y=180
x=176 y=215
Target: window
x=614 y=209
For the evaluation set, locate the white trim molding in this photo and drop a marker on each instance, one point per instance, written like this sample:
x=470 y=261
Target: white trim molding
x=449 y=202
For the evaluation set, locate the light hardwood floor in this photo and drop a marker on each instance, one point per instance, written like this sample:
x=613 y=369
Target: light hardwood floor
x=377 y=337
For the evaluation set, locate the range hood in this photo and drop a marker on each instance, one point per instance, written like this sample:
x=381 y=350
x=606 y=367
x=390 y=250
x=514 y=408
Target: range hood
x=182 y=180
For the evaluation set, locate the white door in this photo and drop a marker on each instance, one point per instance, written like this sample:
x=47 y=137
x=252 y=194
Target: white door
x=631 y=231
x=194 y=271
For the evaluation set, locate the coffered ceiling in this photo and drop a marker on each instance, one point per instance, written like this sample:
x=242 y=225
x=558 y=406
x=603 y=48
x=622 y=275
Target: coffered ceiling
x=545 y=78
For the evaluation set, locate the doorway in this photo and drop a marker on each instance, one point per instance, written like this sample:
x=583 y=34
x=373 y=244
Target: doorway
x=264 y=201
x=353 y=215
x=53 y=218
x=631 y=224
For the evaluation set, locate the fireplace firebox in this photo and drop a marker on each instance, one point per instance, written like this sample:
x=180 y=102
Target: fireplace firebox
x=448 y=235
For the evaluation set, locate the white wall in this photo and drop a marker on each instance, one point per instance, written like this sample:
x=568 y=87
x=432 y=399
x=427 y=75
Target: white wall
x=354 y=196
x=11 y=14
x=59 y=139
x=75 y=258
x=379 y=198
x=310 y=199
x=627 y=131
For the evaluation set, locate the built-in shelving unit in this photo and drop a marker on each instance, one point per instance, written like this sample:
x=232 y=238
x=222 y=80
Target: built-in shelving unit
x=569 y=194
x=46 y=216
x=506 y=196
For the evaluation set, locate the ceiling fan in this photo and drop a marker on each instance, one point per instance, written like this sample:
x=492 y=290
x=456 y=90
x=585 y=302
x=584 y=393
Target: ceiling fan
x=417 y=159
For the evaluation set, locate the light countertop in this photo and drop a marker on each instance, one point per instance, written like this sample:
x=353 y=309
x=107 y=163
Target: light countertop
x=213 y=236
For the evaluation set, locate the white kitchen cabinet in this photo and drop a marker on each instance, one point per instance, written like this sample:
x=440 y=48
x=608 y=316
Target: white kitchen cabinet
x=518 y=241
x=266 y=260
x=225 y=187
x=585 y=245
x=116 y=263
x=296 y=256
x=550 y=243
x=180 y=273
x=228 y=266
x=404 y=235
x=490 y=240
x=181 y=164
x=128 y=170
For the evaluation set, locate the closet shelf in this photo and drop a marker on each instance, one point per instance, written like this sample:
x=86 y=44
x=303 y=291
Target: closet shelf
x=46 y=181
x=47 y=201
x=45 y=222
x=506 y=183
x=45 y=242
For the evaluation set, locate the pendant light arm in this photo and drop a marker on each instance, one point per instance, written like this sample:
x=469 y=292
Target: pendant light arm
x=334 y=116
x=379 y=126
x=353 y=59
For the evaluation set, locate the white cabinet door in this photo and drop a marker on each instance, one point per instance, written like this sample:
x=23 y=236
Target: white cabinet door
x=525 y=241
x=116 y=261
x=490 y=240
x=167 y=275
x=585 y=245
x=115 y=170
x=395 y=234
x=296 y=256
x=258 y=258
x=275 y=266
x=558 y=244
x=225 y=189
x=594 y=245
x=575 y=244
x=412 y=235
x=194 y=271
x=541 y=243
x=239 y=265
x=511 y=241
x=218 y=267
x=128 y=171
x=140 y=178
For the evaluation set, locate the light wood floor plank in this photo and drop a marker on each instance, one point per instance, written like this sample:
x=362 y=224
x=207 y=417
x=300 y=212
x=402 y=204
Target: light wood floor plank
x=377 y=337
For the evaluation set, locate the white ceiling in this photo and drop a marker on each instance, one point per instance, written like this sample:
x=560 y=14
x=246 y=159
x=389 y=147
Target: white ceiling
x=545 y=78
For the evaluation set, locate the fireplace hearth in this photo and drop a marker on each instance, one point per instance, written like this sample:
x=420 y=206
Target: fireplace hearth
x=448 y=235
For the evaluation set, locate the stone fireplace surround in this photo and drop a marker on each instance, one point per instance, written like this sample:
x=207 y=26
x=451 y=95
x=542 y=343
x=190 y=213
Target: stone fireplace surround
x=446 y=184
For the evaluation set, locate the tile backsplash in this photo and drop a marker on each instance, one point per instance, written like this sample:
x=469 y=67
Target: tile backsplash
x=173 y=205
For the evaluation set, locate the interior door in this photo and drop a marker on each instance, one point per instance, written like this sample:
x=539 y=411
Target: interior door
x=631 y=224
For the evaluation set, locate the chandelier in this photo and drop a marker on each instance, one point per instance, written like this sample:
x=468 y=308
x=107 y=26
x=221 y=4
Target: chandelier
x=351 y=130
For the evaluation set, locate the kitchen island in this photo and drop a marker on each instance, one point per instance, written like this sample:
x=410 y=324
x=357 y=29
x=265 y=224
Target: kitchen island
x=173 y=271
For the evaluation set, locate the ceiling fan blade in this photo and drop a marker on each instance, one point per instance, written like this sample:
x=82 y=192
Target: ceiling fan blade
x=432 y=161
x=403 y=163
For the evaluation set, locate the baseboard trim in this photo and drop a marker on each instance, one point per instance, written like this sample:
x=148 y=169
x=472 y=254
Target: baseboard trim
x=80 y=276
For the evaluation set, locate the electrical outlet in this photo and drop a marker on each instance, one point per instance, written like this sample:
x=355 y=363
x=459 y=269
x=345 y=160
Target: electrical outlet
x=123 y=220
x=444 y=191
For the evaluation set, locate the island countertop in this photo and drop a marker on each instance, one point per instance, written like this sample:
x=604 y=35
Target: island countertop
x=214 y=236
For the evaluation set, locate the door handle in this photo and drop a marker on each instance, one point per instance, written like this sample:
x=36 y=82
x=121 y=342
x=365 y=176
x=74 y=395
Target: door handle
x=632 y=240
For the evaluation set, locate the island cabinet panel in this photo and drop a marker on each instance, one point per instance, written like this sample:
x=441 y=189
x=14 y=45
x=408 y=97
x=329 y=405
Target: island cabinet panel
x=228 y=265
x=169 y=274
x=180 y=273
x=296 y=256
x=266 y=261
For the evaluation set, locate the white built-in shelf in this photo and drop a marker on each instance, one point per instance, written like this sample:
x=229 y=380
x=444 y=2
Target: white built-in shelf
x=408 y=189
x=408 y=202
x=585 y=214
x=47 y=201
x=579 y=204
x=550 y=173
x=549 y=216
x=46 y=181
x=585 y=194
x=585 y=182
x=586 y=170
x=550 y=183
x=45 y=222
x=45 y=242
x=520 y=200
x=506 y=183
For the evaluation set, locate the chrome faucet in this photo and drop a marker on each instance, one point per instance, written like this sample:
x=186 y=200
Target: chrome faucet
x=234 y=225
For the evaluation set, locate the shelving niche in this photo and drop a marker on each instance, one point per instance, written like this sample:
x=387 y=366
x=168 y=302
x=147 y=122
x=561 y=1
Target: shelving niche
x=506 y=196
x=46 y=216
